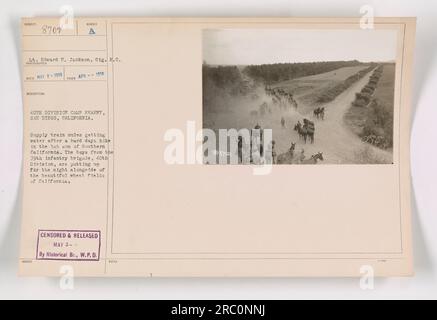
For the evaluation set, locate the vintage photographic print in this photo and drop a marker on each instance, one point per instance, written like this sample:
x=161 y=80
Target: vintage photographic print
x=298 y=96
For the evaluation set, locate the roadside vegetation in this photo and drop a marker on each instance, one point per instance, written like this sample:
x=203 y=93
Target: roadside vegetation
x=371 y=114
x=331 y=93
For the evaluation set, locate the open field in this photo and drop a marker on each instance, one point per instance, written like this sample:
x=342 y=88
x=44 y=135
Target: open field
x=307 y=89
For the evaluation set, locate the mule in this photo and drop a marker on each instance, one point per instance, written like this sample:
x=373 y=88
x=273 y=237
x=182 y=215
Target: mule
x=322 y=113
x=287 y=157
x=310 y=129
x=302 y=131
x=319 y=113
x=314 y=158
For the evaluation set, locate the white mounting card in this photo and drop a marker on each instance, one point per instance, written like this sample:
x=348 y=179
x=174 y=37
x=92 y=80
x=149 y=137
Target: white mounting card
x=216 y=146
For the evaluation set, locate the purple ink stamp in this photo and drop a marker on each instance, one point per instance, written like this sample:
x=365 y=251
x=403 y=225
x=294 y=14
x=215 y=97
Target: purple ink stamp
x=68 y=245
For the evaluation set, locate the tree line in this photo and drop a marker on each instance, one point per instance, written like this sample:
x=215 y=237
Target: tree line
x=272 y=73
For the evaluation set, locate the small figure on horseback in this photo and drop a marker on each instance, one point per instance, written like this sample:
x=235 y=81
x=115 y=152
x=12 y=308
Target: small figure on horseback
x=282 y=122
x=306 y=130
x=240 y=149
x=313 y=159
x=274 y=155
x=256 y=144
x=309 y=127
x=301 y=130
x=319 y=113
x=270 y=155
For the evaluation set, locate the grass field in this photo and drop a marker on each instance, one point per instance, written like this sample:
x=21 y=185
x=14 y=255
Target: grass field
x=306 y=90
x=385 y=90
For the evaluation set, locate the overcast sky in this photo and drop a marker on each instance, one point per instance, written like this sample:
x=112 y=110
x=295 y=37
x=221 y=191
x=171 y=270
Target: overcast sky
x=261 y=46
